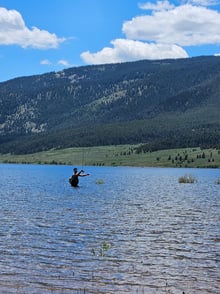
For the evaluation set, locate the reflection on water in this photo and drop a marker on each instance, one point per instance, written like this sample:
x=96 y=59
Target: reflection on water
x=139 y=231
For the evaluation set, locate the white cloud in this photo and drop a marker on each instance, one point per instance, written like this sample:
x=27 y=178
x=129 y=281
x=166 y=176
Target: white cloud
x=13 y=31
x=124 y=50
x=63 y=62
x=185 y=25
x=45 y=62
x=166 y=5
x=160 y=5
x=204 y=2
x=162 y=32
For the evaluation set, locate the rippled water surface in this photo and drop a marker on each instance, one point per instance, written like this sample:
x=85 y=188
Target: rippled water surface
x=124 y=230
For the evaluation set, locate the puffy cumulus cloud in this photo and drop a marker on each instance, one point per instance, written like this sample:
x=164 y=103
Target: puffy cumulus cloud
x=185 y=25
x=124 y=50
x=13 y=31
x=164 y=31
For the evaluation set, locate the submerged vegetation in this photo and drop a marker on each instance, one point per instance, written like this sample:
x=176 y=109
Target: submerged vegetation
x=101 y=250
x=187 y=179
x=100 y=182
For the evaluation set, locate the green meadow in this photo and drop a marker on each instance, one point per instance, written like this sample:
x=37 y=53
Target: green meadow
x=121 y=155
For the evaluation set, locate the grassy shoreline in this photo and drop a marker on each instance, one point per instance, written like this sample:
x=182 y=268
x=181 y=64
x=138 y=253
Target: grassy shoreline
x=121 y=155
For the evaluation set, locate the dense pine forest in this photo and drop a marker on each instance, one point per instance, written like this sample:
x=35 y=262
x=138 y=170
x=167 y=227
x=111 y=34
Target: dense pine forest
x=162 y=104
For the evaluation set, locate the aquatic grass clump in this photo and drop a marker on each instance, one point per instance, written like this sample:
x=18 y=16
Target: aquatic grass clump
x=102 y=250
x=187 y=179
x=100 y=182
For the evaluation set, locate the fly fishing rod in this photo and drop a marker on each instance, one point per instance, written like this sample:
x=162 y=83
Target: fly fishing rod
x=83 y=160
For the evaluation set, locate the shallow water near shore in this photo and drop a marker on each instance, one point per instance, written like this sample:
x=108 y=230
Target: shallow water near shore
x=124 y=230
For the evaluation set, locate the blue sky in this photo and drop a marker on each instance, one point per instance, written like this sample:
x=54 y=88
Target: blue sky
x=51 y=35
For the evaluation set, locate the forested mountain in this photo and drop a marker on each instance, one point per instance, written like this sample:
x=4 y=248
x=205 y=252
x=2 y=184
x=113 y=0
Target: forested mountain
x=163 y=104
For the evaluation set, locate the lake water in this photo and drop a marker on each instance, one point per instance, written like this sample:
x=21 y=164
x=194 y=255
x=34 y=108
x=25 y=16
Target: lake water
x=124 y=230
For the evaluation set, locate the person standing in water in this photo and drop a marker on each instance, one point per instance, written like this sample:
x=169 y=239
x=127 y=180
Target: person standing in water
x=74 y=180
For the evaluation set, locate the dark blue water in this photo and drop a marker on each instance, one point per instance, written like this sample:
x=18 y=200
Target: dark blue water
x=124 y=230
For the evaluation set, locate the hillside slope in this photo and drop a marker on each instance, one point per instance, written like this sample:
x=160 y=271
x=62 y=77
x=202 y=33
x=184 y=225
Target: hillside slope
x=168 y=103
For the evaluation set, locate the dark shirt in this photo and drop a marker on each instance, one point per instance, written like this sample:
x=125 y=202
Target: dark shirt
x=74 y=181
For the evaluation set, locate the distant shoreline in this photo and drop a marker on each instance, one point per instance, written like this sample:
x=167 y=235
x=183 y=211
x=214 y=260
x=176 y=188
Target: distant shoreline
x=121 y=155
